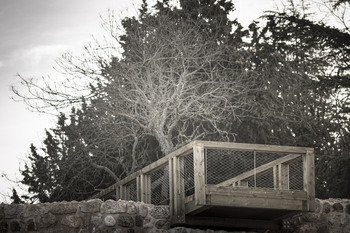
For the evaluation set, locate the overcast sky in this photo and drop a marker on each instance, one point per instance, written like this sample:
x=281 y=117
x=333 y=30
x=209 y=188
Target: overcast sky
x=33 y=33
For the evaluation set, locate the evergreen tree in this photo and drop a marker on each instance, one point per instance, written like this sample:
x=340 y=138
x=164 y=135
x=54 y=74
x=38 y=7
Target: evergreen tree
x=200 y=75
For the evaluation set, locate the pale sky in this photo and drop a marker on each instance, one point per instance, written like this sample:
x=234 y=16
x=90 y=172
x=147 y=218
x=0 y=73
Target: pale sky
x=33 y=34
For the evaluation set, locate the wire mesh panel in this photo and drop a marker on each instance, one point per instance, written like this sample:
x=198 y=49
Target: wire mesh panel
x=222 y=165
x=188 y=175
x=265 y=179
x=296 y=175
x=131 y=191
x=160 y=186
x=252 y=169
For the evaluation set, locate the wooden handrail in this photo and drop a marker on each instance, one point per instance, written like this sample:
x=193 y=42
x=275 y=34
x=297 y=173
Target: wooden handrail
x=260 y=169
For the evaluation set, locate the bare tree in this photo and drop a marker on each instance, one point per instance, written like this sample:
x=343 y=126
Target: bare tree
x=176 y=81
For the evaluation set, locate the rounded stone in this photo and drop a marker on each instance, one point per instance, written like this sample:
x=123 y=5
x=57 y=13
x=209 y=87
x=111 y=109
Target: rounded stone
x=143 y=210
x=109 y=207
x=159 y=212
x=96 y=220
x=64 y=208
x=90 y=206
x=72 y=221
x=109 y=221
x=326 y=208
x=47 y=220
x=338 y=207
x=126 y=221
x=131 y=208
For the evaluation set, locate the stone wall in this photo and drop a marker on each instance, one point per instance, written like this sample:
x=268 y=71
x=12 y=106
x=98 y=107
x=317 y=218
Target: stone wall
x=86 y=217
x=331 y=216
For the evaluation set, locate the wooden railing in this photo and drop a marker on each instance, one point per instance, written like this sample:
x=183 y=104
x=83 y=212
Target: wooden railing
x=203 y=175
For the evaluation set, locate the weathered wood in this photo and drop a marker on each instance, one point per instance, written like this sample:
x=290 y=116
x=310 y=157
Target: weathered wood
x=229 y=222
x=171 y=192
x=179 y=190
x=260 y=169
x=256 y=192
x=309 y=178
x=283 y=176
x=275 y=177
x=252 y=147
x=138 y=188
x=199 y=174
x=255 y=202
x=145 y=188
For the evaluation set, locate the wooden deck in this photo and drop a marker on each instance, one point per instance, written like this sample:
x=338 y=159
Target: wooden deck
x=220 y=184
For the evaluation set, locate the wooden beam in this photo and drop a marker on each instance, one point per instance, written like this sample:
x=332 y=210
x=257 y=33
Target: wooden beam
x=256 y=192
x=255 y=202
x=199 y=174
x=260 y=169
x=252 y=147
x=232 y=223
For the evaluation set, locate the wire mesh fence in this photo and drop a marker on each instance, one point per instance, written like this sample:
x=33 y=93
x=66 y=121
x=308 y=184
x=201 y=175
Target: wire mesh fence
x=160 y=186
x=223 y=165
x=131 y=191
x=188 y=175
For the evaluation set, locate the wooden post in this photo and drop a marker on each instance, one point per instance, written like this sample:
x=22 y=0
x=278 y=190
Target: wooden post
x=171 y=192
x=138 y=188
x=275 y=177
x=145 y=190
x=179 y=190
x=199 y=174
x=309 y=178
x=283 y=177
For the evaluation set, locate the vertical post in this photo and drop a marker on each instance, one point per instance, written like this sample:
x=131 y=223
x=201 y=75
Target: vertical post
x=283 y=179
x=171 y=192
x=199 y=174
x=309 y=178
x=145 y=190
x=275 y=177
x=138 y=188
x=179 y=190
